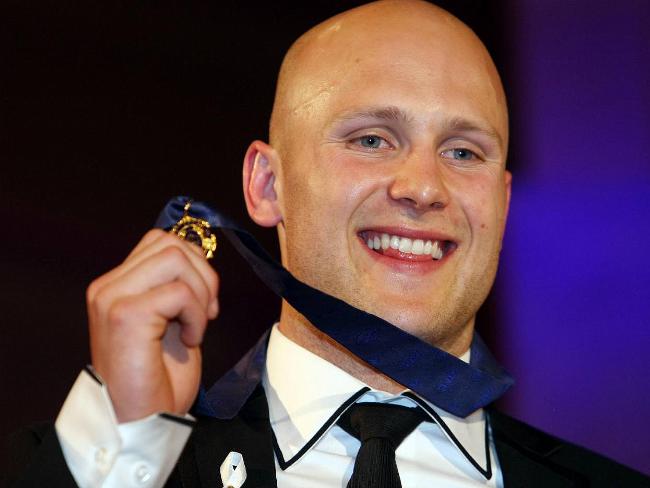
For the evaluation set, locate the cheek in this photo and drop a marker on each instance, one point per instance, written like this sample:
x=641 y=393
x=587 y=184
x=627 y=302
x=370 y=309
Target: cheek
x=340 y=182
x=319 y=196
x=482 y=204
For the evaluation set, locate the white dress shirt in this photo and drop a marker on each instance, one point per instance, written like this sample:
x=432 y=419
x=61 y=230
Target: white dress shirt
x=102 y=453
x=305 y=396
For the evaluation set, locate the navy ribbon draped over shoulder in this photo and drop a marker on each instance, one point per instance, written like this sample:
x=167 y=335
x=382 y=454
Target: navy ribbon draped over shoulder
x=441 y=378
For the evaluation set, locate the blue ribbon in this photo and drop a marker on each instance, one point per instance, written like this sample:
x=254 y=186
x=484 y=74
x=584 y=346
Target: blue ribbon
x=437 y=376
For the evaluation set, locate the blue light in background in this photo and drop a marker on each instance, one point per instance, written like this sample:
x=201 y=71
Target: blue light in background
x=574 y=275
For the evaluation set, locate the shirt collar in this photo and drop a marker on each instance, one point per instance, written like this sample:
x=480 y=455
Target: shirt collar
x=306 y=395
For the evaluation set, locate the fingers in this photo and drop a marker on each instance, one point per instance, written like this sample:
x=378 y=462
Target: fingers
x=161 y=257
x=162 y=238
x=164 y=285
x=147 y=239
x=170 y=301
x=156 y=240
x=168 y=265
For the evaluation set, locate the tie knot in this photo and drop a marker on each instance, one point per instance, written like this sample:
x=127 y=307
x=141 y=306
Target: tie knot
x=367 y=421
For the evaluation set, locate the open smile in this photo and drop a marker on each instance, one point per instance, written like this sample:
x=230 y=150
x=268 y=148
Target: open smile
x=407 y=247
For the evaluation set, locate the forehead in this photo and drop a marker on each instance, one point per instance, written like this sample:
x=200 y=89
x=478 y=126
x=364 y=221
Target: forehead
x=426 y=70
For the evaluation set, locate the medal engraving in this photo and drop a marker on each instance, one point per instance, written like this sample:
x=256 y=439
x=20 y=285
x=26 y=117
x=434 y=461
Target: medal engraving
x=197 y=231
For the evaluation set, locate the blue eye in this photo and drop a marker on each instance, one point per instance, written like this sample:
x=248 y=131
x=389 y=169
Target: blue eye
x=462 y=154
x=370 y=141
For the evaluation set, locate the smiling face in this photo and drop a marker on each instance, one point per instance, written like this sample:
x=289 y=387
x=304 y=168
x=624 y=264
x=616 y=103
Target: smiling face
x=391 y=131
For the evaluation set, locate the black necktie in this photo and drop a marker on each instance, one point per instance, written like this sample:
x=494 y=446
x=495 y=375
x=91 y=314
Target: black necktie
x=381 y=428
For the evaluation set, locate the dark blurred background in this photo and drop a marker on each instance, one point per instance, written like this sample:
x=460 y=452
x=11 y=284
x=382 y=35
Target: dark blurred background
x=107 y=109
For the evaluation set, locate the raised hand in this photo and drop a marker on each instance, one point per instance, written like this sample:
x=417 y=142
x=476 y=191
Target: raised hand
x=147 y=318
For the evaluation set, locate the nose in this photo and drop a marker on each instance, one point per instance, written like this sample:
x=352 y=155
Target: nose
x=419 y=183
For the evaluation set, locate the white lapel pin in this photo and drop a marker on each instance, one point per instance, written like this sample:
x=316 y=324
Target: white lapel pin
x=233 y=470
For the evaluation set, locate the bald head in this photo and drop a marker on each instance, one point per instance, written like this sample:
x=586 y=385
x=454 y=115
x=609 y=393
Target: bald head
x=389 y=129
x=389 y=35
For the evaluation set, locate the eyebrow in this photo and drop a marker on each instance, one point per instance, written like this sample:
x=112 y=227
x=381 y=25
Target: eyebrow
x=389 y=113
x=460 y=124
x=396 y=114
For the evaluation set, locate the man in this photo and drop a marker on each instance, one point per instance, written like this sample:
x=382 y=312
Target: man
x=385 y=177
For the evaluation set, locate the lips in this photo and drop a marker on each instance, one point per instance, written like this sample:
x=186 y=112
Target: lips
x=412 y=248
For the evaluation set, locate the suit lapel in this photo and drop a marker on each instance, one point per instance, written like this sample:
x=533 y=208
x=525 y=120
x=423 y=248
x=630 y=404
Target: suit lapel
x=248 y=433
x=524 y=456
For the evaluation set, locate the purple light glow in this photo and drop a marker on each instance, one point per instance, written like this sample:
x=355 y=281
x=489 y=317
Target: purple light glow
x=574 y=269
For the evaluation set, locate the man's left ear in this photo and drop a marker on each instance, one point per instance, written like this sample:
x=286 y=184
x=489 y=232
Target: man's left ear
x=260 y=163
x=508 y=183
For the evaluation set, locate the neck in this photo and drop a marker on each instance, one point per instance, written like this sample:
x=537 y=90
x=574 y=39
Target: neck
x=298 y=329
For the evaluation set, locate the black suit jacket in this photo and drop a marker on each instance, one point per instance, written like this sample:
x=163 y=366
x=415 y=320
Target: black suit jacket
x=528 y=457
x=234 y=416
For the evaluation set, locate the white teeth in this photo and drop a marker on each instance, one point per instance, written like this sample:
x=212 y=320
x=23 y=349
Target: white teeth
x=436 y=252
x=427 y=247
x=405 y=244
x=418 y=246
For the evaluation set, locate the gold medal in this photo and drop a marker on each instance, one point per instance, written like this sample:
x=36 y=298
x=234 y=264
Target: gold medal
x=196 y=231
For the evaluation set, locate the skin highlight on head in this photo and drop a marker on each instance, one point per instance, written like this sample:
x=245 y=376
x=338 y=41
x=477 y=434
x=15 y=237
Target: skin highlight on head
x=320 y=58
x=418 y=84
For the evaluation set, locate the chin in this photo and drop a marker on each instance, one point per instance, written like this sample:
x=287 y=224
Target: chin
x=433 y=324
x=407 y=318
